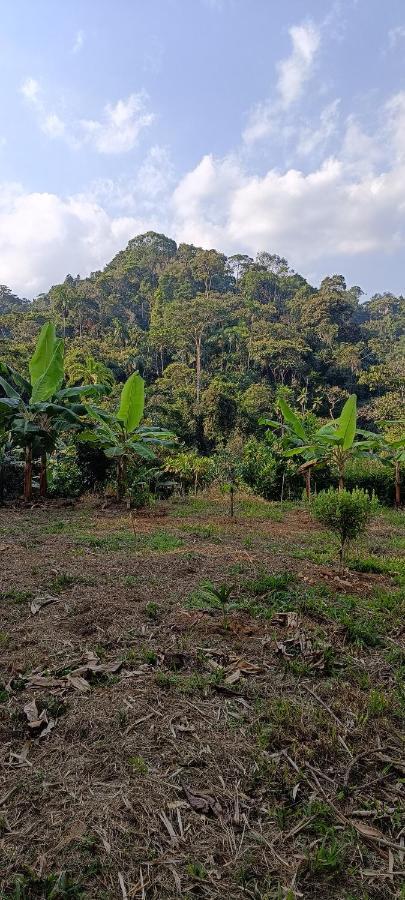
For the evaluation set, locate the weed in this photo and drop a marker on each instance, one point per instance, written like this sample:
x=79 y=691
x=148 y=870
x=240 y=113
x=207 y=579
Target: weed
x=131 y=580
x=16 y=596
x=196 y=870
x=161 y=542
x=377 y=704
x=61 y=583
x=29 y=886
x=153 y=611
x=330 y=857
x=138 y=765
x=187 y=684
x=149 y=656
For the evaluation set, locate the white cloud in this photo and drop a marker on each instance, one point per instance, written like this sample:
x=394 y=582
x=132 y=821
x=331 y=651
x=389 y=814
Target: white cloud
x=349 y=204
x=293 y=73
x=352 y=203
x=43 y=236
x=395 y=35
x=117 y=131
x=297 y=68
x=311 y=138
x=78 y=41
x=30 y=89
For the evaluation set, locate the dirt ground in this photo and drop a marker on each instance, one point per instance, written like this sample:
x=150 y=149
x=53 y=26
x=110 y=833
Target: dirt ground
x=154 y=744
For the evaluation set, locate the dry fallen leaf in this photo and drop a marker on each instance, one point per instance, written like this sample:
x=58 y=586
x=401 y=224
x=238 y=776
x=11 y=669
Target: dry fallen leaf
x=78 y=682
x=367 y=830
x=36 y=720
x=45 y=681
x=203 y=803
x=44 y=600
x=287 y=619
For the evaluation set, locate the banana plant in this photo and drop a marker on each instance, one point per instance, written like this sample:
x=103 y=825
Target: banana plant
x=294 y=440
x=334 y=442
x=120 y=435
x=390 y=451
x=35 y=411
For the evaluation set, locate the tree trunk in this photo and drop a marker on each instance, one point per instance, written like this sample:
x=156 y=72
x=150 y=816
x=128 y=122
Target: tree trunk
x=232 y=503
x=28 y=474
x=397 y=485
x=43 y=477
x=282 y=488
x=120 y=478
x=307 y=477
x=341 y=478
x=198 y=368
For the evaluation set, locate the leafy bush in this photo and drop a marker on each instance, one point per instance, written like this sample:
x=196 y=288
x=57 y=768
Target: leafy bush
x=263 y=471
x=64 y=475
x=346 y=513
x=374 y=477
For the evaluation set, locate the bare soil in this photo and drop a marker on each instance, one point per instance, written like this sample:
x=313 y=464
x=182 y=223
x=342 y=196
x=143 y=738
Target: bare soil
x=151 y=747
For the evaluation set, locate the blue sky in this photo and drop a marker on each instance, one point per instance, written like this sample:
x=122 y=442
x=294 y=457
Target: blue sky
x=239 y=124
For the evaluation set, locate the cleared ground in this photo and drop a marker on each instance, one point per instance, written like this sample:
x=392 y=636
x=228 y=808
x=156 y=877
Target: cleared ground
x=154 y=745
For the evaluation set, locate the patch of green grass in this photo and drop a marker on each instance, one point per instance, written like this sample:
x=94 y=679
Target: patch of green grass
x=197 y=871
x=115 y=541
x=256 y=508
x=188 y=684
x=131 y=580
x=330 y=858
x=153 y=611
x=379 y=566
x=29 y=886
x=138 y=765
x=205 y=531
x=270 y=594
x=393 y=516
x=62 y=582
x=16 y=596
x=377 y=704
x=149 y=656
x=161 y=541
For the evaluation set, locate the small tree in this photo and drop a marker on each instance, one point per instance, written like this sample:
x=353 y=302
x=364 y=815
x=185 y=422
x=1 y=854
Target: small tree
x=120 y=435
x=334 y=442
x=37 y=411
x=345 y=513
x=229 y=468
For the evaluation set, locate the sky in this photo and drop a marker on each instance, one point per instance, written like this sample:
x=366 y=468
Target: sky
x=243 y=125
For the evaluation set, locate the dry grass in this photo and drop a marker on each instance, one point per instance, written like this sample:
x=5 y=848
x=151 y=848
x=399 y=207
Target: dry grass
x=258 y=758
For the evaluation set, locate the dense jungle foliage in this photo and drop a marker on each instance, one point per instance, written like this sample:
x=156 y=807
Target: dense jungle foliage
x=219 y=341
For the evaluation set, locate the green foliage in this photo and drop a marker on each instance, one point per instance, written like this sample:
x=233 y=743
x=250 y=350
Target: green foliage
x=220 y=343
x=345 y=513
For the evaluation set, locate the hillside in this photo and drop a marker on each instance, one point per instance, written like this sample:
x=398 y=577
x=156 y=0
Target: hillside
x=217 y=338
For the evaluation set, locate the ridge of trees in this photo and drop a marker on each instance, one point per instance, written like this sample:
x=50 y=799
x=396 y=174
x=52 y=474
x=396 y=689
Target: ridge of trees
x=219 y=338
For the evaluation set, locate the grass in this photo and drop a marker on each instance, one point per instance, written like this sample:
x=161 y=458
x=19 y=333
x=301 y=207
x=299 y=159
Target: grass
x=173 y=718
x=160 y=542
x=259 y=598
x=16 y=596
x=393 y=566
x=29 y=886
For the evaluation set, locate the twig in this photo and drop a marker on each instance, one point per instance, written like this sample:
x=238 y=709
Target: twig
x=332 y=714
x=122 y=886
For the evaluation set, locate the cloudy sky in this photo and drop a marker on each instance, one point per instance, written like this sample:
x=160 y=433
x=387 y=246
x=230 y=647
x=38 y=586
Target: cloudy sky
x=243 y=125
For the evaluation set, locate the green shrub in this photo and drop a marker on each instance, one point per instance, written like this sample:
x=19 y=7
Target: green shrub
x=345 y=513
x=64 y=475
x=374 y=477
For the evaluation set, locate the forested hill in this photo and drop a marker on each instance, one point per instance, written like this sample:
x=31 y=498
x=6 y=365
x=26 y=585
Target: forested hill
x=218 y=337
